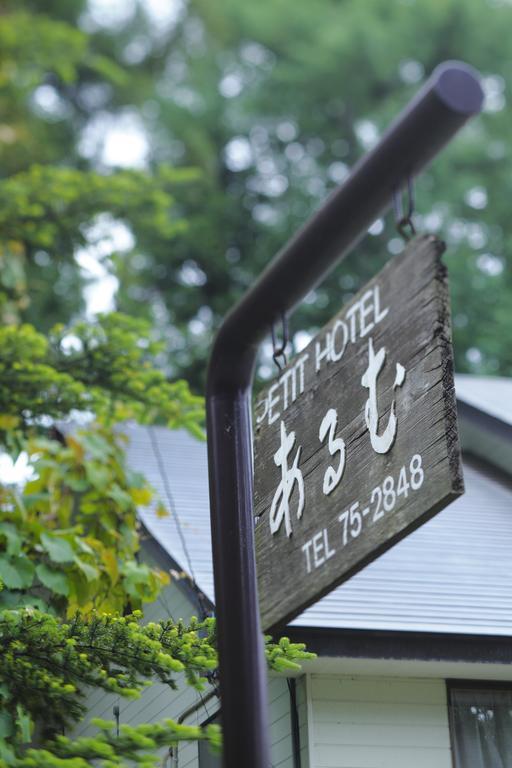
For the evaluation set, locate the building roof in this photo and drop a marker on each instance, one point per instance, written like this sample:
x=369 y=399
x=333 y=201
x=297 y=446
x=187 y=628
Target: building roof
x=454 y=574
x=176 y=465
x=490 y=394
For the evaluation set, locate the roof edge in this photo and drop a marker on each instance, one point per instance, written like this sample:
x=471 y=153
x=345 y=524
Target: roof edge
x=401 y=645
x=485 y=436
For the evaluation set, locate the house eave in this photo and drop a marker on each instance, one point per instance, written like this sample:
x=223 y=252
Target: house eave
x=405 y=646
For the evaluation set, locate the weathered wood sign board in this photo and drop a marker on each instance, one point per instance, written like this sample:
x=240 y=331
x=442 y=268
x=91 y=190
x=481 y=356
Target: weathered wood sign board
x=356 y=441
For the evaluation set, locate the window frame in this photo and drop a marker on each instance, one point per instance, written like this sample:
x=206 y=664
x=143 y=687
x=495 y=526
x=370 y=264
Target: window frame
x=468 y=684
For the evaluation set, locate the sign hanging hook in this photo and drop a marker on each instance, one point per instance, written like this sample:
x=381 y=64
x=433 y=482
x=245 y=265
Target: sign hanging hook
x=403 y=220
x=278 y=350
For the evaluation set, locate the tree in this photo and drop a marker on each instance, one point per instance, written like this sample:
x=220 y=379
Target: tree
x=277 y=100
x=71 y=583
x=272 y=105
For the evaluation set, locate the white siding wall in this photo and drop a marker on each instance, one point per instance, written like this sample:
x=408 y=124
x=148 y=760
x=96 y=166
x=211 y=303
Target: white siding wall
x=365 y=722
x=280 y=726
x=304 y=728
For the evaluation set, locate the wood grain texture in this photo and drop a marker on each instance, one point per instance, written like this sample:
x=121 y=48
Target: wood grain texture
x=323 y=550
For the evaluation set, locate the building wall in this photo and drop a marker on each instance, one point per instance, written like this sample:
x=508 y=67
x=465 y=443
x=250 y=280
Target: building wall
x=280 y=727
x=378 y=722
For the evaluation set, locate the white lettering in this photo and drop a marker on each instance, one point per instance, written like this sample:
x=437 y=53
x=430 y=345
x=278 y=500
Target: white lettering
x=271 y=402
x=261 y=416
x=378 y=314
x=322 y=354
x=285 y=378
x=351 y=317
x=328 y=552
x=380 y=443
x=335 y=356
x=318 y=548
x=359 y=320
x=300 y=366
x=319 y=545
x=365 y=310
x=332 y=477
x=305 y=548
x=280 y=508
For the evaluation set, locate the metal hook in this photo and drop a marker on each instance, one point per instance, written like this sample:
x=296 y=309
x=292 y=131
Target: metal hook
x=279 y=350
x=403 y=221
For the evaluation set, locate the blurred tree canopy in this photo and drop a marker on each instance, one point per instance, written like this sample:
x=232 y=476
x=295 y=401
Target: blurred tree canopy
x=271 y=104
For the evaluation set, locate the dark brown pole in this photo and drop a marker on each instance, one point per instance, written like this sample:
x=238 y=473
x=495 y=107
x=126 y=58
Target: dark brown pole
x=449 y=98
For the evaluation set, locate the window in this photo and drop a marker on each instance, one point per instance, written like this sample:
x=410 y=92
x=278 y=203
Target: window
x=206 y=758
x=481 y=724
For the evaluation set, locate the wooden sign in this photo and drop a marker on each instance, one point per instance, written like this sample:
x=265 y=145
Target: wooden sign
x=356 y=441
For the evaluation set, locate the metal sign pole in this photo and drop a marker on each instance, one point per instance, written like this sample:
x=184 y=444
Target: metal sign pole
x=449 y=98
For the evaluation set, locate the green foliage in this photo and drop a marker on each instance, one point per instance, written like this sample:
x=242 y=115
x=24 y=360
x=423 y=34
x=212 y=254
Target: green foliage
x=69 y=537
x=48 y=212
x=106 y=367
x=49 y=71
x=29 y=385
x=136 y=746
x=275 y=102
x=47 y=664
x=49 y=208
x=30 y=50
x=285 y=656
x=43 y=52
x=264 y=102
x=114 y=361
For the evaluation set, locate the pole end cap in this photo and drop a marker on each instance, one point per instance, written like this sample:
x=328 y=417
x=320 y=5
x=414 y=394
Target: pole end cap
x=458 y=85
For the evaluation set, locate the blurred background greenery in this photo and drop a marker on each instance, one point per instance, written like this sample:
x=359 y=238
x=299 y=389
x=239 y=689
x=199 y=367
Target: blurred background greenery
x=262 y=108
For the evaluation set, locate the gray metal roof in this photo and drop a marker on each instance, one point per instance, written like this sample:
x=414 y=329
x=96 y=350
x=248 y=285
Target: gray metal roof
x=490 y=394
x=454 y=574
x=182 y=484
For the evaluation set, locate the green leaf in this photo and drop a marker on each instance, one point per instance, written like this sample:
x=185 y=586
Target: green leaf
x=16 y=573
x=84 y=546
x=24 y=723
x=97 y=475
x=6 y=725
x=58 y=549
x=55 y=580
x=122 y=498
x=90 y=572
x=6 y=753
x=141 y=496
x=77 y=483
x=13 y=538
x=19 y=600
